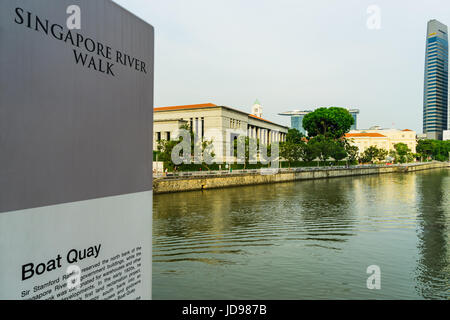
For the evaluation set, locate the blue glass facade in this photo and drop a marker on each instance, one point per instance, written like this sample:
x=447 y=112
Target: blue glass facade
x=355 y=117
x=297 y=123
x=435 y=105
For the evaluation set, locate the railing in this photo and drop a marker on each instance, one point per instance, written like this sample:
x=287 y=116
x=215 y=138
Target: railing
x=267 y=171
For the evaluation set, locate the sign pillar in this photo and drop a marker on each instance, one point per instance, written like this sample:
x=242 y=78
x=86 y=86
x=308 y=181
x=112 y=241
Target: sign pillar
x=76 y=108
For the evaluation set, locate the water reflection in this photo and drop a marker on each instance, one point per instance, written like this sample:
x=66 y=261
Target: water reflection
x=219 y=221
x=307 y=239
x=433 y=269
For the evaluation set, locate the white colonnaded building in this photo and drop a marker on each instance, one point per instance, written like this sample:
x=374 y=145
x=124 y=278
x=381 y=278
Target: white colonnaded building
x=221 y=124
x=382 y=138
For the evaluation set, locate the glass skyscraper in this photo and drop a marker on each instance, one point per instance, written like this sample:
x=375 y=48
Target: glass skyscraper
x=297 y=123
x=297 y=119
x=435 y=104
x=354 y=113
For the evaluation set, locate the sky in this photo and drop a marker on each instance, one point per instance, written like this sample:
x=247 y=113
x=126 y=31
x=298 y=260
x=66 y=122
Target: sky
x=293 y=55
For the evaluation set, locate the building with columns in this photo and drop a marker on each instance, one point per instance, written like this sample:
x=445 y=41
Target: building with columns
x=221 y=124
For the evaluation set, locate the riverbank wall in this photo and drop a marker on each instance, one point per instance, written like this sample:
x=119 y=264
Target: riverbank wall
x=249 y=177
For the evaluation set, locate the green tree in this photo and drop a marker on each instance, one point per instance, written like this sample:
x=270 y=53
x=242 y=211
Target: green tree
x=381 y=154
x=165 y=148
x=323 y=146
x=294 y=136
x=291 y=151
x=308 y=152
x=373 y=153
x=403 y=152
x=441 y=150
x=435 y=149
x=352 y=152
x=338 y=151
x=369 y=154
x=393 y=155
x=330 y=122
x=425 y=148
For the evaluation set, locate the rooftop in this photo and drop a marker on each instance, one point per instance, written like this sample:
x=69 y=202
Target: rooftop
x=209 y=105
x=256 y=117
x=378 y=128
x=304 y=112
x=192 y=106
x=365 y=134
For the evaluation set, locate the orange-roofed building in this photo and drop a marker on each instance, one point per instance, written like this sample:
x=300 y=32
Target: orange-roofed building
x=382 y=138
x=221 y=124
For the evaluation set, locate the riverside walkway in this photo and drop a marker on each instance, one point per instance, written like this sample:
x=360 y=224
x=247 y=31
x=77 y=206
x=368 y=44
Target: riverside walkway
x=202 y=180
x=266 y=171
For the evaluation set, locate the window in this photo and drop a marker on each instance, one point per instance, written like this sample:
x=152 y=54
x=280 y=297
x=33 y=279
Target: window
x=234 y=124
x=203 y=127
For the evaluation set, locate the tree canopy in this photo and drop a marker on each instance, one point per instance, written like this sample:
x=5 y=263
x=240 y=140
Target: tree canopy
x=373 y=153
x=294 y=136
x=333 y=122
x=165 y=148
x=435 y=149
x=323 y=146
x=403 y=152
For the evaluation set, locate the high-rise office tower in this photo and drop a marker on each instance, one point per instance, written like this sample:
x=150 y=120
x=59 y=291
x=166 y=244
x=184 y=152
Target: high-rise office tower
x=435 y=98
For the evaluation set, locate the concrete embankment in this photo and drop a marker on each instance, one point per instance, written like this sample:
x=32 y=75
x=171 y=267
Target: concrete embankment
x=207 y=181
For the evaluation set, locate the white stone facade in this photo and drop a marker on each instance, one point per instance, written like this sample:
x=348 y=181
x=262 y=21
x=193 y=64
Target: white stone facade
x=382 y=138
x=220 y=124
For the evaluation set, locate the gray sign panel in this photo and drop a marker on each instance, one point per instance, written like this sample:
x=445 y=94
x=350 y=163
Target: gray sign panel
x=76 y=110
x=75 y=105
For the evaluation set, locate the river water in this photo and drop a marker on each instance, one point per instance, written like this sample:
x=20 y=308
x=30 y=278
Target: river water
x=306 y=239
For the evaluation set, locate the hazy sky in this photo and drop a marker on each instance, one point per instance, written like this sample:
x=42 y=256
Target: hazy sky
x=293 y=54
